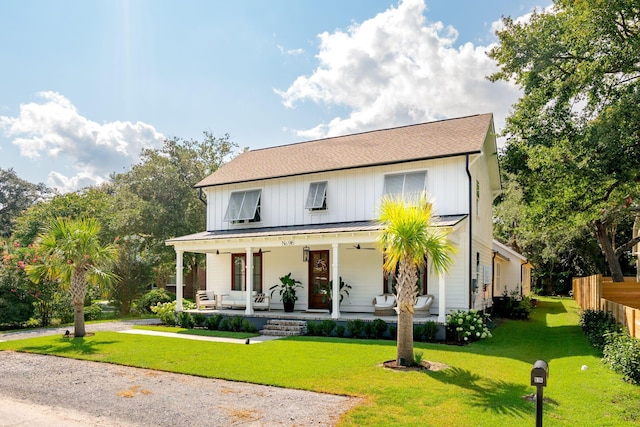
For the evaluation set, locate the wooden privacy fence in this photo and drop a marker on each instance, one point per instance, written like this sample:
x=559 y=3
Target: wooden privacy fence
x=621 y=299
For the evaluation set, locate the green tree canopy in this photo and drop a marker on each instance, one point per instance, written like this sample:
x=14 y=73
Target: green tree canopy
x=574 y=136
x=16 y=195
x=156 y=198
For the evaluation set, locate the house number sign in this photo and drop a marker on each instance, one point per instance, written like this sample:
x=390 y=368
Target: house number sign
x=288 y=243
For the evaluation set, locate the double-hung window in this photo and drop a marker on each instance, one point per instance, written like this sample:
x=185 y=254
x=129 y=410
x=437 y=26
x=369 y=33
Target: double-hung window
x=244 y=206
x=317 y=197
x=409 y=185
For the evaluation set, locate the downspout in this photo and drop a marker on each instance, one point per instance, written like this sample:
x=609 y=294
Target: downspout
x=200 y=196
x=470 y=234
x=493 y=275
x=522 y=264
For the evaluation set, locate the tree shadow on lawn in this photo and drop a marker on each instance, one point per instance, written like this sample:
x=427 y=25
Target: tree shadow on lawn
x=63 y=346
x=500 y=397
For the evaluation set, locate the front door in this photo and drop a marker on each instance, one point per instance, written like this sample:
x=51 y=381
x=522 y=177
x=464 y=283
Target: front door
x=318 y=279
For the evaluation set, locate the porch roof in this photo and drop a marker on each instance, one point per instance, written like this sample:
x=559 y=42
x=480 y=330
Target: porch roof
x=342 y=227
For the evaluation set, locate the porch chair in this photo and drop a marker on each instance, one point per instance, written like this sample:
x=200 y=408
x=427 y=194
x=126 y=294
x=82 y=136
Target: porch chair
x=205 y=300
x=383 y=305
x=423 y=305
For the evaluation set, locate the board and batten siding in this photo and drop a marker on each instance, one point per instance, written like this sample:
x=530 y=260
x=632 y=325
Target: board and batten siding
x=352 y=195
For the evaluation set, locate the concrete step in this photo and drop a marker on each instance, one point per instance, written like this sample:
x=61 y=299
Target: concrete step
x=286 y=322
x=280 y=333
x=284 y=328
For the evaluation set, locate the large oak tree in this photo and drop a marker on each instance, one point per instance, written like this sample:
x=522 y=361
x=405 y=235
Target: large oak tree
x=574 y=136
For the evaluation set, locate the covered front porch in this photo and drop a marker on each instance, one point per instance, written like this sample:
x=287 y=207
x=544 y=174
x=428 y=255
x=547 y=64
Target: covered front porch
x=318 y=256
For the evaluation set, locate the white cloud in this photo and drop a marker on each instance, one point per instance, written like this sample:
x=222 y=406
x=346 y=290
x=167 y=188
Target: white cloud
x=292 y=52
x=398 y=68
x=54 y=129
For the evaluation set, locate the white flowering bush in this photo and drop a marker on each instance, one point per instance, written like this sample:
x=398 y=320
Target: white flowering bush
x=467 y=326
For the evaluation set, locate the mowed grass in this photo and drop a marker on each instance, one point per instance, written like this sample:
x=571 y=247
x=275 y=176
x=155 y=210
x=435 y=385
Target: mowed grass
x=483 y=386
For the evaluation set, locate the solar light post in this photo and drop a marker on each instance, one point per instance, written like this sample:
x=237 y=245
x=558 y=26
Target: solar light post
x=539 y=375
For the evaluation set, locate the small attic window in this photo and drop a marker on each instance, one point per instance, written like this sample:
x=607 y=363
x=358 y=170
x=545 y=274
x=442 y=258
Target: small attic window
x=408 y=185
x=317 y=197
x=244 y=206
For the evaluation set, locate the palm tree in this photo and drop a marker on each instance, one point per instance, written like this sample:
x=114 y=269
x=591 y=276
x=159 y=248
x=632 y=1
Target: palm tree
x=408 y=238
x=72 y=254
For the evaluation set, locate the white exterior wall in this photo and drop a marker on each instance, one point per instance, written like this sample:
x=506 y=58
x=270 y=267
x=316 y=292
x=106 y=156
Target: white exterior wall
x=352 y=195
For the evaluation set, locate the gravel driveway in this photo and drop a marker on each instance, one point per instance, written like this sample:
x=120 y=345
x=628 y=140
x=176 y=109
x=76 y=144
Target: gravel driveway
x=38 y=390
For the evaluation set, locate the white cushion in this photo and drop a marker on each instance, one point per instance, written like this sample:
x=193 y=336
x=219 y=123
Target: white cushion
x=380 y=300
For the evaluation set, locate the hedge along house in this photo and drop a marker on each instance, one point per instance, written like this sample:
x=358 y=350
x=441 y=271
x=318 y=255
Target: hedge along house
x=310 y=209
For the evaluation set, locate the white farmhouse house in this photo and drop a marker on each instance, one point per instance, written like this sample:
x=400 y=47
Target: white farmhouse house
x=511 y=271
x=310 y=209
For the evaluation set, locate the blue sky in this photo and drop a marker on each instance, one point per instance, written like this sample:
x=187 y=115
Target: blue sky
x=84 y=85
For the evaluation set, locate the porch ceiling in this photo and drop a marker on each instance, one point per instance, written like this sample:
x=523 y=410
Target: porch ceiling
x=349 y=231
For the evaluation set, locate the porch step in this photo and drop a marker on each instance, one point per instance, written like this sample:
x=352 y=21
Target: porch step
x=284 y=328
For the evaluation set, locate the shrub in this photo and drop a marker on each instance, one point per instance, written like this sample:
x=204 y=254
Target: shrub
x=596 y=324
x=368 y=330
x=185 y=320
x=199 y=319
x=235 y=324
x=247 y=326
x=212 y=323
x=340 y=331
x=418 y=357
x=153 y=298
x=426 y=332
x=166 y=312
x=327 y=326
x=467 y=326
x=622 y=354
x=393 y=332
x=512 y=306
x=92 y=312
x=224 y=325
x=355 y=328
x=313 y=328
x=378 y=328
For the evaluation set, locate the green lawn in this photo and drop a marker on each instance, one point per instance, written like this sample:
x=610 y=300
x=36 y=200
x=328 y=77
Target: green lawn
x=483 y=386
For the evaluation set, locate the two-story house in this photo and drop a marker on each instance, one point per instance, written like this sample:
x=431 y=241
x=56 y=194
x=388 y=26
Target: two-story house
x=310 y=208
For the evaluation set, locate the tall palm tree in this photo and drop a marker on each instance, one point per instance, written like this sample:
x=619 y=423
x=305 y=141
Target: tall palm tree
x=408 y=238
x=72 y=254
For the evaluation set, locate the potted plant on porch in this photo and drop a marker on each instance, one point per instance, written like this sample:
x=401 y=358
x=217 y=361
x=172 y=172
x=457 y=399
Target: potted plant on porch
x=287 y=289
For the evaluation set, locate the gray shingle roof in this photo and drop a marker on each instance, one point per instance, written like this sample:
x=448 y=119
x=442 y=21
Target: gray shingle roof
x=443 y=138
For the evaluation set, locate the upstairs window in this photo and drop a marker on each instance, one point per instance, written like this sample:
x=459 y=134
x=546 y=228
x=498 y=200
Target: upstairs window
x=409 y=185
x=244 y=206
x=317 y=197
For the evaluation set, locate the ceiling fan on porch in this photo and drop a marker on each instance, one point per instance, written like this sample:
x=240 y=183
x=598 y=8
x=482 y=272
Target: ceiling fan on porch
x=218 y=252
x=358 y=247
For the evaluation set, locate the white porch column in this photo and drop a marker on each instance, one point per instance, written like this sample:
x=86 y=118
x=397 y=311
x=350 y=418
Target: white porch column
x=442 y=318
x=179 y=279
x=248 y=274
x=335 y=291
